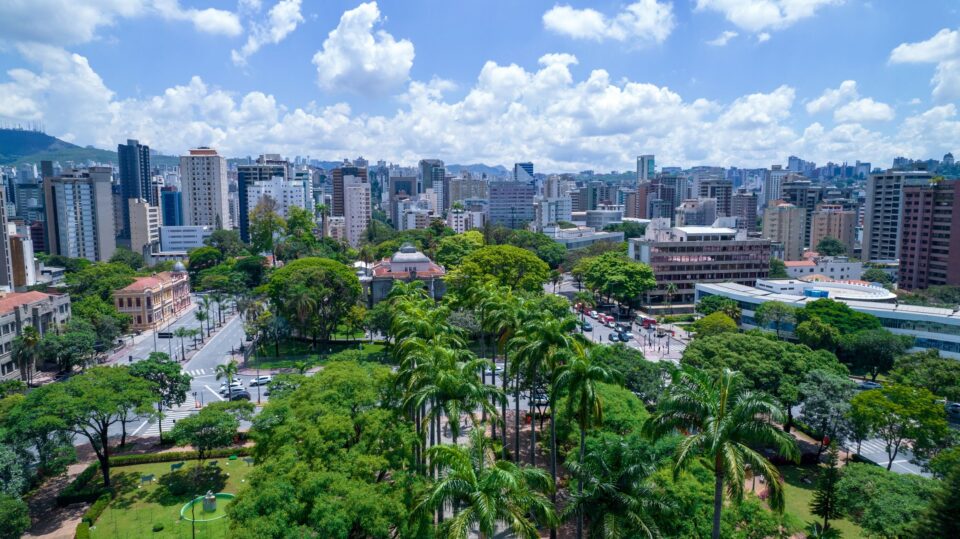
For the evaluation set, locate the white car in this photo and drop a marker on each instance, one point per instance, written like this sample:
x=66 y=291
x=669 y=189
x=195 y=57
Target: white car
x=261 y=381
x=234 y=386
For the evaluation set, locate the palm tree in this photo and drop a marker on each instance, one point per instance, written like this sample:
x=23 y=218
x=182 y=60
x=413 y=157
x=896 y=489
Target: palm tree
x=218 y=296
x=486 y=492
x=506 y=315
x=724 y=417
x=26 y=348
x=201 y=317
x=619 y=497
x=182 y=333
x=228 y=371
x=304 y=305
x=671 y=290
x=205 y=303
x=580 y=378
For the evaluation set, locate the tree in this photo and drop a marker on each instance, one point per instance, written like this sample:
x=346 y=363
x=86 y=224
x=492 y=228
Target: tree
x=74 y=348
x=817 y=335
x=838 y=315
x=724 y=419
x=355 y=319
x=776 y=314
x=830 y=246
x=170 y=384
x=14 y=478
x=202 y=258
x=648 y=380
x=901 y=415
x=713 y=304
x=714 y=324
x=333 y=287
x=125 y=256
x=228 y=372
x=877 y=275
x=614 y=275
x=452 y=249
x=14 y=517
x=182 y=333
x=884 y=504
x=487 y=492
x=265 y=224
x=939 y=519
x=826 y=403
x=228 y=242
x=252 y=270
x=99 y=279
x=926 y=369
x=504 y=265
x=26 y=348
x=873 y=351
x=202 y=316
x=107 y=322
x=778 y=270
x=89 y=404
x=211 y=428
x=824 y=503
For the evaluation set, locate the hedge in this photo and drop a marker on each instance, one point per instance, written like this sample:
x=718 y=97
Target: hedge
x=176 y=456
x=83 y=488
x=97 y=509
x=83 y=531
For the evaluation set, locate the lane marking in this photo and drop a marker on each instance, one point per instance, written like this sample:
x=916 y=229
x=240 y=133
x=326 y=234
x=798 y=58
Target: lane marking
x=215 y=394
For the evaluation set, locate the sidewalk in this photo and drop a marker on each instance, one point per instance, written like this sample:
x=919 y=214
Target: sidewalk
x=146 y=335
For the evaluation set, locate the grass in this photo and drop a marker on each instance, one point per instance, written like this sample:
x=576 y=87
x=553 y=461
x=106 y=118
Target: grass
x=798 y=494
x=135 y=511
x=292 y=352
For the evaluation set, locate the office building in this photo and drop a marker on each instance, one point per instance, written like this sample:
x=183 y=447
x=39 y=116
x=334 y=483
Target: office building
x=357 y=210
x=772 y=184
x=203 y=184
x=466 y=188
x=883 y=212
x=549 y=211
x=523 y=172
x=833 y=221
x=346 y=174
x=784 y=223
x=79 y=207
x=603 y=217
x=135 y=179
x=6 y=261
x=29 y=201
x=461 y=220
x=719 y=190
x=284 y=194
x=432 y=173
x=685 y=256
x=580 y=237
x=155 y=301
x=696 y=212
x=171 y=206
x=22 y=263
x=511 y=204
x=20 y=310
x=930 y=235
x=183 y=238
x=144 y=225
x=266 y=167
x=743 y=206
x=646 y=168
x=840 y=268
x=803 y=194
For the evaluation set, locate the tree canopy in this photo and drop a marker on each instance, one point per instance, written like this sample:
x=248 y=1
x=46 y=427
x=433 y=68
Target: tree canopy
x=614 y=275
x=873 y=351
x=714 y=324
x=839 y=315
x=504 y=265
x=317 y=293
x=830 y=246
x=926 y=369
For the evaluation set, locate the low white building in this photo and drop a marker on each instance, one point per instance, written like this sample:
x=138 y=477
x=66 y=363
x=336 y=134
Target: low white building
x=840 y=268
x=580 y=237
x=183 y=238
x=286 y=193
x=462 y=220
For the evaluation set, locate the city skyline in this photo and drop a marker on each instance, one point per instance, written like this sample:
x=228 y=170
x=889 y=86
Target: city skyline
x=567 y=86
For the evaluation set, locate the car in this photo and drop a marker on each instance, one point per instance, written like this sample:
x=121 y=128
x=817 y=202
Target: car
x=621 y=328
x=240 y=396
x=868 y=385
x=586 y=326
x=261 y=380
x=614 y=337
x=594 y=314
x=626 y=336
x=953 y=409
x=235 y=386
x=611 y=324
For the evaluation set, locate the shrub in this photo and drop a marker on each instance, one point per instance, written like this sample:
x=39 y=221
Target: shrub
x=83 y=531
x=177 y=456
x=83 y=489
x=97 y=509
x=158 y=527
x=14 y=516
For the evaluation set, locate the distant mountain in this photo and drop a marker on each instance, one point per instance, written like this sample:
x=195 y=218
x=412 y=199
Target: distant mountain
x=23 y=146
x=479 y=168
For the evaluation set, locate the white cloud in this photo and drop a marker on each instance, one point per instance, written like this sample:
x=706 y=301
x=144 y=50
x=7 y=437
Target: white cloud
x=763 y=37
x=942 y=49
x=833 y=97
x=723 y=38
x=356 y=59
x=863 y=110
x=282 y=20
x=644 y=21
x=759 y=15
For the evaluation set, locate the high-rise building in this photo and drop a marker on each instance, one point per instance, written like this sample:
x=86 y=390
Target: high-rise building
x=646 y=169
x=6 y=261
x=171 y=206
x=930 y=235
x=135 y=178
x=550 y=211
x=22 y=261
x=357 y=208
x=266 y=167
x=833 y=221
x=341 y=176
x=884 y=210
x=722 y=191
x=803 y=194
x=784 y=223
x=79 y=208
x=144 y=225
x=523 y=172
x=743 y=206
x=696 y=212
x=771 y=184
x=432 y=172
x=467 y=188
x=511 y=204
x=203 y=183
x=286 y=194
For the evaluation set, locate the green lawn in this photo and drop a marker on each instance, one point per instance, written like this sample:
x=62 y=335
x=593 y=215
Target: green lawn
x=292 y=351
x=138 y=508
x=798 y=494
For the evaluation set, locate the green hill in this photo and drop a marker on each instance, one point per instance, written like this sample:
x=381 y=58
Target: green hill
x=23 y=146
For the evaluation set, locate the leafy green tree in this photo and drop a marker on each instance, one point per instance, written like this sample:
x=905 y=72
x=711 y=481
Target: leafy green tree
x=884 y=504
x=227 y=372
x=926 y=369
x=939 y=519
x=265 y=224
x=107 y=322
x=28 y=426
x=838 y=315
x=629 y=229
x=776 y=314
x=817 y=335
x=26 y=349
x=830 y=246
x=99 y=279
x=614 y=275
x=228 y=242
x=452 y=249
x=504 y=265
x=170 y=384
x=725 y=419
x=648 y=380
x=877 y=275
x=14 y=478
x=202 y=258
x=252 y=270
x=488 y=492
x=539 y=244
x=14 y=517
x=125 y=256
x=778 y=270
x=74 y=348
x=901 y=415
x=873 y=351
x=826 y=403
x=333 y=287
x=713 y=304
x=714 y=324
x=824 y=503
x=209 y=429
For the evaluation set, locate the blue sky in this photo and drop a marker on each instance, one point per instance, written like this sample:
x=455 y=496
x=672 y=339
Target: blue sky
x=568 y=85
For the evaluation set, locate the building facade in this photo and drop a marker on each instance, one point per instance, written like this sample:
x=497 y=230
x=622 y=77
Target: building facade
x=743 y=206
x=286 y=194
x=784 y=223
x=183 y=238
x=144 y=225
x=357 y=209
x=171 y=205
x=203 y=184
x=720 y=190
x=840 y=268
x=833 y=221
x=267 y=167
x=135 y=178
x=19 y=310
x=930 y=235
x=883 y=211
x=406 y=265
x=511 y=204
x=79 y=207
x=152 y=302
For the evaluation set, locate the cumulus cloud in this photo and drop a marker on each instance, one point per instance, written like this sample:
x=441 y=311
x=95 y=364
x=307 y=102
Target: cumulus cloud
x=863 y=110
x=209 y=20
x=763 y=37
x=282 y=19
x=832 y=97
x=646 y=21
x=759 y=15
x=354 y=58
x=723 y=38
x=942 y=49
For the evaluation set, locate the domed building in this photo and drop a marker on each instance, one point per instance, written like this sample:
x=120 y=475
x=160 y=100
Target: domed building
x=407 y=265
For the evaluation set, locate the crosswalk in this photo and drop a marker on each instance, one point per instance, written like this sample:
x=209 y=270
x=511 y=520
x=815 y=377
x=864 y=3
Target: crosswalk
x=170 y=417
x=197 y=372
x=872 y=446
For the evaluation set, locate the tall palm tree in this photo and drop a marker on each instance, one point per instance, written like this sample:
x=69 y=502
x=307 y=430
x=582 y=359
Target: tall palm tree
x=304 y=306
x=218 y=297
x=671 y=291
x=182 y=333
x=26 y=350
x=620 y=497
x=506 y=315
x=487 y=492
x=724 y=417
x=227 y=371
x=201 y=316
x=580 y=378
x=205 y=303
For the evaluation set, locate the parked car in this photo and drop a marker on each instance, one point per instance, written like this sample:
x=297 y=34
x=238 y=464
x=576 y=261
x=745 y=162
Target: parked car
x=240 y=396
x=614 y=337
x=594 y=314
x=234 y=387
x=611 y=324
x=953 y=411
x=867 y=385
x=586 y=326
x=261 y=380
x=626 y=336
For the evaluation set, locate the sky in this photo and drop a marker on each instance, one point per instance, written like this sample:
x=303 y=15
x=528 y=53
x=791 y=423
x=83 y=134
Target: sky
x=570 y=85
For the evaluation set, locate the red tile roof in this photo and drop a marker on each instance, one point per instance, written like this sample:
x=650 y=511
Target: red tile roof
x=16 y=299
x=147 y=283
x=799 y=264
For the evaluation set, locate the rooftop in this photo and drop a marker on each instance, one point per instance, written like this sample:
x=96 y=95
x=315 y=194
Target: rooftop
x=15 y=299
x=149 y=283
